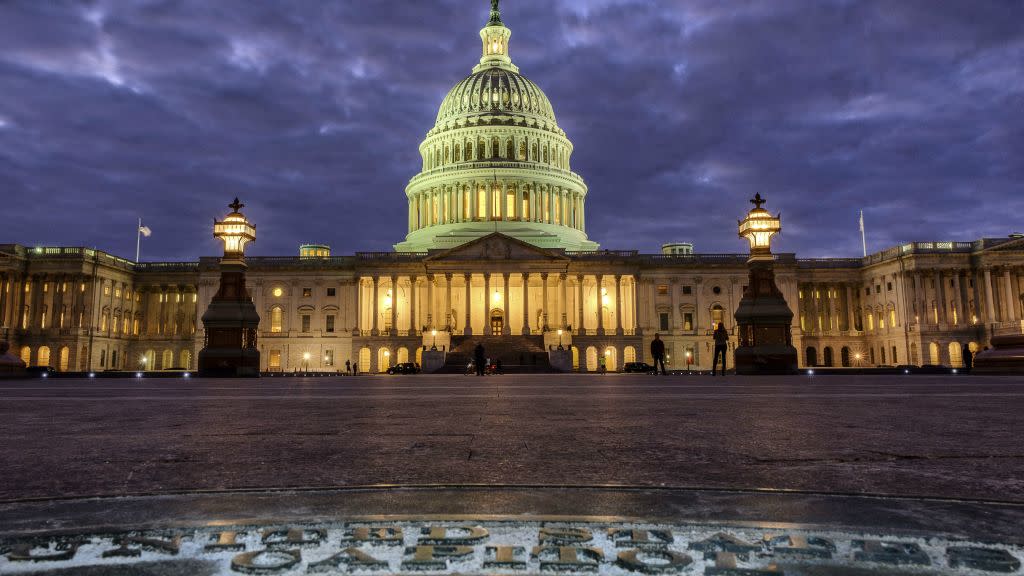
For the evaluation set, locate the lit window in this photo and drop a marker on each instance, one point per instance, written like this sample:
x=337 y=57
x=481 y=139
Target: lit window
x=106 y=290
x=330 y=323
x=195 y=298
x=117 y=293
x=46 y=287
x=662 y=289
x=307 y=292
x=275 y=319
x=305 y=322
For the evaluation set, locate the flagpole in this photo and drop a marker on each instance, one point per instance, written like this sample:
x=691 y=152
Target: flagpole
x=863 y=239
x=138 y=240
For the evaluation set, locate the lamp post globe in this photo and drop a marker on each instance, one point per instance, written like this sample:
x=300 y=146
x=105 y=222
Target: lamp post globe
x=763 y=317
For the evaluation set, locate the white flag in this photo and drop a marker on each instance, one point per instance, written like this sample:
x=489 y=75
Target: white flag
x=145 y=231
x=861 y=221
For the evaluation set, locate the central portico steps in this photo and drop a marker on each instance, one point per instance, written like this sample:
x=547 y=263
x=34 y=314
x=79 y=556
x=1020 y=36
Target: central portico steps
x=518 y=354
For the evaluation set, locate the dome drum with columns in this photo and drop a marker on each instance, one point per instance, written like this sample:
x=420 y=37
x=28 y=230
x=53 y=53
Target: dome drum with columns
x=496 y=161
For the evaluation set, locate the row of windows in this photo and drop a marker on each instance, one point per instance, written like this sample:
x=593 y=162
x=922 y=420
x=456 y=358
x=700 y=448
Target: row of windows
x=496 y=148
x=306 y=292
x=277 y=317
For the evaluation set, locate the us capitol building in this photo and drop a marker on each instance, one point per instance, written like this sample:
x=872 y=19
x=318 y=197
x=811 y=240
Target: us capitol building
x=497 y=251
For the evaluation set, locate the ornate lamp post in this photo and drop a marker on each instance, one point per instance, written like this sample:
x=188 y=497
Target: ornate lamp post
x=231 y=321
x=763 y=317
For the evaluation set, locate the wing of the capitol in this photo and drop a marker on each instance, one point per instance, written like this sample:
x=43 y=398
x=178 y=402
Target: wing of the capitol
x=497 y=252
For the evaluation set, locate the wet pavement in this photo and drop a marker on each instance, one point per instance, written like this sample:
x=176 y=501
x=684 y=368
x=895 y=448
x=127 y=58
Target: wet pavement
x=949 y=436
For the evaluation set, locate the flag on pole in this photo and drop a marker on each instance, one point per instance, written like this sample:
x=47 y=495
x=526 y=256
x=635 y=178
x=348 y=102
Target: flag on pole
x=861 y=221
x=145 y=231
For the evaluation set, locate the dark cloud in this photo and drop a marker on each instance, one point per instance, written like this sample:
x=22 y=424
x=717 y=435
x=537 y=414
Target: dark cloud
x=312 y=112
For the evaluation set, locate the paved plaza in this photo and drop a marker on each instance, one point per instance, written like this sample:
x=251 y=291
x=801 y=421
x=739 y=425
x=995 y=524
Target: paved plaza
x=937 y=436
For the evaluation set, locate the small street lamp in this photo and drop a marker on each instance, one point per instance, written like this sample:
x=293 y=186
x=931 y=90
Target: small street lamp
x=305 y=361
x=560 y=339
x=433 y=342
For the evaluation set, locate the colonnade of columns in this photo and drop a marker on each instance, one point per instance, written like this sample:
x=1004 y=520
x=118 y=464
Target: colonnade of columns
x=509 y=302
x=486 y=200
x=957 y=296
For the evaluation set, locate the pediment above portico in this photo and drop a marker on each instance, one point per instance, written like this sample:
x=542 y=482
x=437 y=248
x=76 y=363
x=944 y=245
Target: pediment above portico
x=496 y=247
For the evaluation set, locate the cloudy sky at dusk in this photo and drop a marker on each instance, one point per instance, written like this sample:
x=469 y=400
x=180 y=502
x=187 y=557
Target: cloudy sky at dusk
x=312 y=111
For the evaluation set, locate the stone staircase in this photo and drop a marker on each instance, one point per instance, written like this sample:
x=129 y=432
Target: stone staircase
x=518 y=354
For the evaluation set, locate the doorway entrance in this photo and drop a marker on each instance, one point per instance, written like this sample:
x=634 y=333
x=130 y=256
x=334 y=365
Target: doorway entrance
x=497 y=321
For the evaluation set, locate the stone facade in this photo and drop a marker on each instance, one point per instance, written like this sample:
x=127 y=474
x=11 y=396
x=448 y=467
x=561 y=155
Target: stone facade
x=916 y=304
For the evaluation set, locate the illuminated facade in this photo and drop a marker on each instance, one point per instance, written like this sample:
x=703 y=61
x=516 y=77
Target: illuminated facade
x=497 y=250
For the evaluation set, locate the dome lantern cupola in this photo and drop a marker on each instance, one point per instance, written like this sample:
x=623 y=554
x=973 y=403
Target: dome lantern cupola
x=495 y=37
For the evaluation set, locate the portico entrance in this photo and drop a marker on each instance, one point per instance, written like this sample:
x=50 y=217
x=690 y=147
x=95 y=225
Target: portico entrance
x=497 y=321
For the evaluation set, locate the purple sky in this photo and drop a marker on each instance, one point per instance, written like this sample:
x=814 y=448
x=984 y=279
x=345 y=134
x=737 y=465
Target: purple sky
x=312 y=111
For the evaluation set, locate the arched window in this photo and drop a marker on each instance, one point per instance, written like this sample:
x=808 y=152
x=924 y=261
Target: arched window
x=717 y=315
x=480 y=149
x=591 y=359
x=844 y=356
x=403 y=355
x=827 y=353
x=276 y=314
x=933 y=353
x=364 y=360
x=956 y=359
x=44 y=356
x=510 y=150
x=26 y=355
x=533 y=152
x=495 y=147
x=546 y=158
x=469 y=151
x=628 y=354
x=811 y=356
x=447 y=154
x=526 y=205
x=611 y=359
x=458 y=155
x=522 y=150
x=65 y=359
x=186 y=359
x=168 y=359
x=383 y=359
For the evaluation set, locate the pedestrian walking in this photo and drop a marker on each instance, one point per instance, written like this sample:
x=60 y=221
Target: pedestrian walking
x=355 y=368
x=721 y=346
x=480 y=359
x=968 y=358
x=348 y=367
x=658 y=353
x=601 y=366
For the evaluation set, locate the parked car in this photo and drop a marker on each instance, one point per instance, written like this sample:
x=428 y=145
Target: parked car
x=404 y=368
x=638 y=367
x=40 y=370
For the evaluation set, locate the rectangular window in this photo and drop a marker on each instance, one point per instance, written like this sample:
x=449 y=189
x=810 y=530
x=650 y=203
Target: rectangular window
x=328 y=357
x=867 y=290
x=117 y=293
x=688 y=321
x=895 y=359
x=882 y=350
x=663 y=320
x=330 y=323
x=687 y=290
x=888 y=286
x=332 y=291
x=103 y=358
x=46 y=287
x=274 y=363
x=307 y=292
x=106 y=290
x=526 y=206
x=510 y=205
x=663 y=289
x=305 y=322
x=878 y=288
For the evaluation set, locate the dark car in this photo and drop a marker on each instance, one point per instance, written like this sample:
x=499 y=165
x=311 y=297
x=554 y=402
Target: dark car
x=637 y=367
x=40 y=370
x=404 y=368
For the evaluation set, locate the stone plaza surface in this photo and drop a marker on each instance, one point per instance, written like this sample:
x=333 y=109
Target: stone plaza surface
x=935 y=436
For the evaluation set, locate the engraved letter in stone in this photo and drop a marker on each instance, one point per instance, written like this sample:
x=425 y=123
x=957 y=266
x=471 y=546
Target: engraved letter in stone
x=432 y=557
x=373 y=535
x=563 y=536
x=796 y=545
x=568 y=558
x=351 y=558
x=889 y=552
x=452 y=535
x=25 y=552
x=640 y=539
x=265 y=561
x=513 y=557
x=653 y=561
x=222 y=541
x=294 y=537
x=722 y=542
